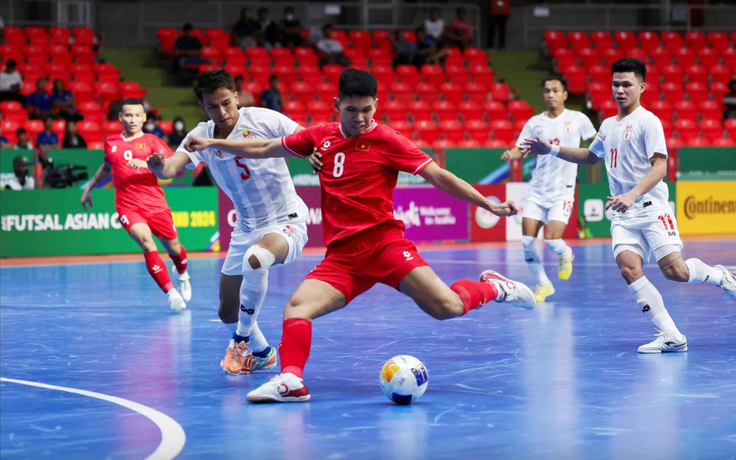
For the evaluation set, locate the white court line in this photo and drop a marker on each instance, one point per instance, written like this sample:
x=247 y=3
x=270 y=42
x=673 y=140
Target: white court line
x=173 y=437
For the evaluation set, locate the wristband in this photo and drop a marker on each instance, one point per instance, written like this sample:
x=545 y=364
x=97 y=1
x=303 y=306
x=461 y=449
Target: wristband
x=555 y=150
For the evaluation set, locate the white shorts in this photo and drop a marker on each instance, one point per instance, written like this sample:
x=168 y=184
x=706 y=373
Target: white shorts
x=295 y=234
x=655 y=233
x=559 y=211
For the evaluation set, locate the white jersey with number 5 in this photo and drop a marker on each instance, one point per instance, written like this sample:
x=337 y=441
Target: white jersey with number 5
x=627 y=147
x=554 y=178
x=262 y=191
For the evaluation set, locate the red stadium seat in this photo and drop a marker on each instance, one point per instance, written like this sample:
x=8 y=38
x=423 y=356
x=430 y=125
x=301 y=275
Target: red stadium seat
x=59 y=36
x=697 y=142
x=39 y=33
x=83 y=92
x=321 y=110
x=673 y=92
x=303 y=92
x=729 y=58
x=332 y=73
x=672 y=40
x=403 y=127
x=166 y=38
x=730 y=125
x=602 y=40
x=710 y=109
x=384 y=74
x=721 y=74
x=408 y=74
x=578 y=40
x=112 y=128
x=649 y=41
x=718 y=90
x=652 y=94
x=711 y=128
x=662 y=109
x=402 y=91
x=326 y=91
x=686 y=110
x=724 y=142
x=599 y=93
x=107 y=92
x=564 y=58
x=470 y=110
x=673 y=74
x=503 y=130
x=295 y=109
x=356 y=55
x=433 y=73
x=10 y=106
x=83 y=54
x=469 y=144
x=360 y=39
x=576 y=80
x=553 y=41
x=482 y=74
x=497 y=144
x=445 y=110
x=427 y=91
x=129 y=89
x=686 y=128
x=427 y=130
x=600 y=74
x=91 y=131
x=14 y=36
x=452 y=92
x=718 y=41
x=475 y=56
x=454 y=57
x=695 y=40
x=667 y=127
x=287 y=74
x=608 y=109
x=637 y=53
x=685 y=57
x=394 y=110
x=661 y=57
x=452 y=130
x=519 y=110
x=612 y=55
x=697 y=92
x=625 y=40
x=456 y=74
x=709 y=57
x=697 y=74
x=477 y=129
x=674 y=143
x=218 y=38
x=419 y=110
x=495 y=110
x=476 y=92
x=590 y=57
x=340 y=36
x=311 y=75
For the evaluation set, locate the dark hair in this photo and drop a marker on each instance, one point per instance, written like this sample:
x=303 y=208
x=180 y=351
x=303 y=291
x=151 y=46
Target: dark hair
x=272 y=78
x=354 y=82
x=188 y=27
x=460 y=10
x=419 y=29
x=20 y=131
x=212 y=80
x=630 y=65
x=47 y=118
x=325 y=27
x=11 y=63
x=559 y=78
x=130 y=101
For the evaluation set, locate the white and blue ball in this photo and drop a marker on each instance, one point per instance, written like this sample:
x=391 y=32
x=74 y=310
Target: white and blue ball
x=403 y=379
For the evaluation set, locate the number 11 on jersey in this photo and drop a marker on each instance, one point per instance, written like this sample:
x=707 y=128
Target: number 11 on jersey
x=614 y=158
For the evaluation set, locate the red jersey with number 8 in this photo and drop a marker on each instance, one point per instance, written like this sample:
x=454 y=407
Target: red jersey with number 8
x=136 y=188
x=358 y=175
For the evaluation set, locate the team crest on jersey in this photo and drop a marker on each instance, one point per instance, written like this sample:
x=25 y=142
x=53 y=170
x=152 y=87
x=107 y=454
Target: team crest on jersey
x=140 y=145
x=363 y=146
x=247 y=133
x=218 y=153
x=114 y=148
x=568 y=126
x=627 y=133
x=325 y=146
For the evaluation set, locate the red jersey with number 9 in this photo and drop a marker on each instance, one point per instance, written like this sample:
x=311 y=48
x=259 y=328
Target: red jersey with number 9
x=136 y=188
x=359 y=174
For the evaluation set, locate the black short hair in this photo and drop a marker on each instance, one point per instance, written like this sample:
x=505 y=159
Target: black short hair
x=212 y=80
x=11 y=63
x=271 y=78
x=20 y=131
x=187 y=27
x=354 y=82
x=47 y=118
x=559 y=78
x=325 y=27
x=130 y=101
x=630 y=65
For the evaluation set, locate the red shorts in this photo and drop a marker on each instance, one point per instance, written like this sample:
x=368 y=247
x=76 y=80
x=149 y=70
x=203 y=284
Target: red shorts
x=380 y=255
x=160 y=223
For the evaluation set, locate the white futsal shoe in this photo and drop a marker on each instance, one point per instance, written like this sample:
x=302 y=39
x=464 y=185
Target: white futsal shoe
x=728 y=283
x=282 y=388
x=184 y=288
x=176 y=301
x=665 y=343
x=515 y=293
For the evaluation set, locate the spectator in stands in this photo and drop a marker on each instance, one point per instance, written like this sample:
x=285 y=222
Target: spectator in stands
x=21 y=180
x=499 y=16
x=435 y=25
x=428 y=50
x=11 y=82
x=23 y=142
x=63 y=102
x=268 y=36
x=176 y=136
x=245 y=97
x=47 y=139
x=72 y=138
x=114 y=110
x=152 y=127
x=729 y=101
x=460 y=32
x=245 y=30
x=39 y=101
x=403 y=50
x=332 y=52
x=271 y=98
x=188 y=50
x=292 y=29
x=5 y=143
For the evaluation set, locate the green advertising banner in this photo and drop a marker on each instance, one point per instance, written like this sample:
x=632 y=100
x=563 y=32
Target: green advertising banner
x=595 y=221
x=53 y=223
x=707 y=164
x=472 y=165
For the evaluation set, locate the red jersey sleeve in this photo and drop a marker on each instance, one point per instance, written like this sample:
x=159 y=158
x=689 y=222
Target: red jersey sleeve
x=403 y=155
x=301 y=144
x=159 y=145
x=108 y=146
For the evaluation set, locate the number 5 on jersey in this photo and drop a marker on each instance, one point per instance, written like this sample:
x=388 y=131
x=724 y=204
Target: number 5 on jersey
x=339 y=165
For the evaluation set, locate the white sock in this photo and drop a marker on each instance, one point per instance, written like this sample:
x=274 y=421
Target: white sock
x=650 y=301
x=258 y=341
x=559 y=247
x=533 y=259
x=232 y=326
x=703 y=273
x=252 y=292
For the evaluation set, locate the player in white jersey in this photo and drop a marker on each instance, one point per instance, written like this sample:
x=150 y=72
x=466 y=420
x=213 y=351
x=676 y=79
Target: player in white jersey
x=633 y=146
x=271 y=218
x=552 y=189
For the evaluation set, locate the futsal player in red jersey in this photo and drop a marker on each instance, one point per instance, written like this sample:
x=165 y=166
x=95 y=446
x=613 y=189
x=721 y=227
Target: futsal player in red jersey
x=140 y=201
x=365 y=244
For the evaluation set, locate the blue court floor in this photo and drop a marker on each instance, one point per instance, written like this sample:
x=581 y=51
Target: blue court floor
x=561 y=382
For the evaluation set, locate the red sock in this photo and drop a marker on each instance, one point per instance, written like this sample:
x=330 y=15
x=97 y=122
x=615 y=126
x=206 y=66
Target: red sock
x=158 y=271
x=180 y=261
x=296 y=341
x=474 y=294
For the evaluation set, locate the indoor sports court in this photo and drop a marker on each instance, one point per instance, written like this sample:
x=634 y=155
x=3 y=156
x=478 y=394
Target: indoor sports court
x=562 y=381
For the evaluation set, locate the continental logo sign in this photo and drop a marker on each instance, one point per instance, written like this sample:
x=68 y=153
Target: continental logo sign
x=707 y=207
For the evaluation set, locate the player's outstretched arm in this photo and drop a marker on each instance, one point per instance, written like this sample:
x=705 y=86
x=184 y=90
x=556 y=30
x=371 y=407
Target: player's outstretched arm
x=100 y=176
x=511 y=154
x=623 y=202
x=571 y=154
x=247 y=148
x=454 y=186
x=167 y=168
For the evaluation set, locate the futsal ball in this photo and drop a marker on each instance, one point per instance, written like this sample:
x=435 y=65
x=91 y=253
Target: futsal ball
x=403 y=379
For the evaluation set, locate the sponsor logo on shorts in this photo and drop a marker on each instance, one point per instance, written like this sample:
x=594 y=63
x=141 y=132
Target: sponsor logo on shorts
x=645 y=308
x=250 y=311
x=289 y=230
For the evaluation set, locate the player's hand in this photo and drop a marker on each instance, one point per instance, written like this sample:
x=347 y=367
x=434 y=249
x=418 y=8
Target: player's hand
x=535 y=147
x=621 y=203
x=196 y=143
x=137 y=163
x=315 y=161
x=506 y=209
x=156 y=163
x=86 y=199
x=508 y=156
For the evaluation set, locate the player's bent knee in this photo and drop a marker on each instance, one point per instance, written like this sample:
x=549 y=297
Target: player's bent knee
x=447 y=309
x=227 y=313
x=678 y=272
x=631 y=274
x=257 y=257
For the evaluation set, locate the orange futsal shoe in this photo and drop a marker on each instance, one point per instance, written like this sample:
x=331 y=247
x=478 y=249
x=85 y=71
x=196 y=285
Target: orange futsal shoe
x=238 y=360
x=267 y=362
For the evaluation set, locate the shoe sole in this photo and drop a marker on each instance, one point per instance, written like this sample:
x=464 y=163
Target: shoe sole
x=227 y=371
x=726 y=272
x=272 y=400
x=654 y=352
x=551 y=293
x=561 y=276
